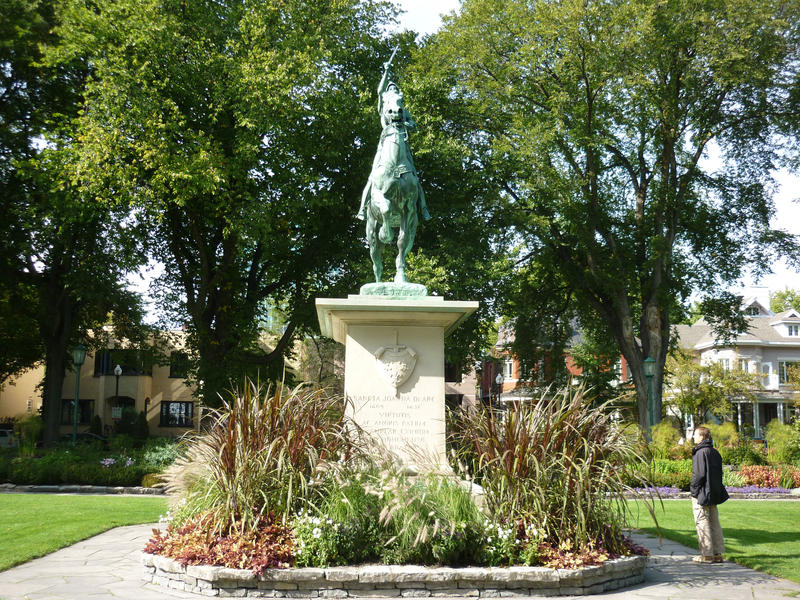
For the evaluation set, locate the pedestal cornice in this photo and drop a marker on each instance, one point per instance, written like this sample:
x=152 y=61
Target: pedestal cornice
x=337 y=314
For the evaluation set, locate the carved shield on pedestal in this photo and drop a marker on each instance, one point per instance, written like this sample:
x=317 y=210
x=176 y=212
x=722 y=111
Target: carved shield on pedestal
x=395 y=364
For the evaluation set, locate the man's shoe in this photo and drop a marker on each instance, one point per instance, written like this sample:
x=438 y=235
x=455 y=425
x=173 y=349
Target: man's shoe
x=703 y=559
x=718 y=558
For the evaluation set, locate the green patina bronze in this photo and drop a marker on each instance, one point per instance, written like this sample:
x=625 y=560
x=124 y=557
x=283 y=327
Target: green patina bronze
x=393 y=199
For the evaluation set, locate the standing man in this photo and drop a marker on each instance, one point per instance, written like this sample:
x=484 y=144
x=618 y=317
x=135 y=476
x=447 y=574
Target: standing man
x=707 y=492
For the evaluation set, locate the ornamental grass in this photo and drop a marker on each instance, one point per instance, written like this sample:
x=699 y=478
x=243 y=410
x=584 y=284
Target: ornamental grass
x=258 y=456
x=558 y=463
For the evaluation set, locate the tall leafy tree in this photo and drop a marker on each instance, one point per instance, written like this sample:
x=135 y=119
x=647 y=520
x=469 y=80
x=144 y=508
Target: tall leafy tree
x=598 y=115
x=62 y=254
x=701 y=389
x=784 y=300
x=239 y=131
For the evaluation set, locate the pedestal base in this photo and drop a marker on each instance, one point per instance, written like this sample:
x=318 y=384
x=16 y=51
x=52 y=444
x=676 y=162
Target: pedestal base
x=394 y=368
x=394 y=290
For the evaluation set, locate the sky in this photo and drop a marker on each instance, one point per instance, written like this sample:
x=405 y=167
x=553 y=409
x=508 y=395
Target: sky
x=424 y=17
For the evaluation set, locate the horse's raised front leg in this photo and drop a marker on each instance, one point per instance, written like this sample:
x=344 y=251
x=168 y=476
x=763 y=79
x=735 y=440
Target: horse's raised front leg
x=375 y=246
x=405 y=240
x=384 y=207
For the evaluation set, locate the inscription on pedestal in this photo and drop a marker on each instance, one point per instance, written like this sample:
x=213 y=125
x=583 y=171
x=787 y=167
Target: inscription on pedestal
x=405 y=424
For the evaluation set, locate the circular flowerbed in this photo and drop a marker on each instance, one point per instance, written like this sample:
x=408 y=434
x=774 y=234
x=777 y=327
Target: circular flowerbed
x=283 y=479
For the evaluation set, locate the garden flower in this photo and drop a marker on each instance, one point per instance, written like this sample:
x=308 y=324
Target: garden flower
x=317 y=533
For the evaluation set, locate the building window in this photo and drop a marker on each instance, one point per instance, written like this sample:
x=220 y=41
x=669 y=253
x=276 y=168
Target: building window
x=766 y=371
x=725 y=363
x=177 y=414
x=752 y=311
x=133 y=362
x=508 y=368
x=85 y=411
x=525 y=369
x=784 y=367
x=794 y=330
x=743 y=365
x=452 y=373
x=178 y=365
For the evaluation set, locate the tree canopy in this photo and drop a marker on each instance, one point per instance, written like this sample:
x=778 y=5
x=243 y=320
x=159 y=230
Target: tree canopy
x=63 y=254
x=239 y=132
x=593 y=120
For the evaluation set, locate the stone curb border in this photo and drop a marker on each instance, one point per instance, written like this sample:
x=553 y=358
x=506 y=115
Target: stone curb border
x=11 y=488
x=392 y=581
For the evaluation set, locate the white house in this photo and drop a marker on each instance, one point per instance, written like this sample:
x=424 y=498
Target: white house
x=769 y=348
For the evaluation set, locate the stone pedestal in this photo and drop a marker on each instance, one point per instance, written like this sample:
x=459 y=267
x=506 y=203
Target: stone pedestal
x=394 y=367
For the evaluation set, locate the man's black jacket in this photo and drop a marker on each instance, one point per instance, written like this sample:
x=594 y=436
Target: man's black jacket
x=706 y=483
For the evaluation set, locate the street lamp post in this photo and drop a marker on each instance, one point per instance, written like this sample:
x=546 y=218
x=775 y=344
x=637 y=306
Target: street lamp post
x=499 y=381
x=78 y=356
x=649 y=372
x=117 y=373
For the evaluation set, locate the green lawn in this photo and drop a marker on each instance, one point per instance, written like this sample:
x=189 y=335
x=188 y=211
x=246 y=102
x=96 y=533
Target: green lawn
x=763 y=535
x=33 y=525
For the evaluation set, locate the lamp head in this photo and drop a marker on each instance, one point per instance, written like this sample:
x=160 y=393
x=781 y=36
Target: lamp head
x=117 y=370
x=649 y=366
x=79 y=355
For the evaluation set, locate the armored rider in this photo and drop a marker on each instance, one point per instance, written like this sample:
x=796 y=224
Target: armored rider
x=386 y=89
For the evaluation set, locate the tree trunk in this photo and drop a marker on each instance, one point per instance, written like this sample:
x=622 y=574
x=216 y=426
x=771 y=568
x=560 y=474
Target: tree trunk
x=55 y=332
x=55 y=368
x=55 y=327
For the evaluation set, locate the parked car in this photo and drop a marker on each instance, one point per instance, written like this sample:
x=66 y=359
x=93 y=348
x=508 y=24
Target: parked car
x=7 y=439
x=84 y=437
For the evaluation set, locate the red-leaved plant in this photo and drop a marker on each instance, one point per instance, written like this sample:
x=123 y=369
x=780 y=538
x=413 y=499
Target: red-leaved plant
x=267 y=545
x=770 y=477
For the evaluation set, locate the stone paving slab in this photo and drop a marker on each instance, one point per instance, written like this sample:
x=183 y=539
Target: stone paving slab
x=107 y=567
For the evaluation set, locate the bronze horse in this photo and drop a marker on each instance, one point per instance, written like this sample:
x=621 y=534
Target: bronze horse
x=393 y=198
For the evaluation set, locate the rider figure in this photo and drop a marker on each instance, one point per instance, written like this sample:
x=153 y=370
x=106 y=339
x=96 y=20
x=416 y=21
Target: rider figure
x=404 y=123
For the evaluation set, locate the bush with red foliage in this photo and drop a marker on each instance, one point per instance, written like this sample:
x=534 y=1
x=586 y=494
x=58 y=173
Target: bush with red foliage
x=565 y=556
x=270 y=545
x=770 y=477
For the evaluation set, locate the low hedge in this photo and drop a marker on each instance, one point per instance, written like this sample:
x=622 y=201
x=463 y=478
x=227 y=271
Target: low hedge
x=89 y=464
x=39 y=472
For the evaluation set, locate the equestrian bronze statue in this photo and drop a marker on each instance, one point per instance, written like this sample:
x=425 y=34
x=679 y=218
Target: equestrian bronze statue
x=393 y=199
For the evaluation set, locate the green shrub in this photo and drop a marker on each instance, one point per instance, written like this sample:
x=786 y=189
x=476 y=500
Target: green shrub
x=28 y=429
x=671 y=466
x=159 y=453
x=744 y=453
x=384 y=515
x=733 y=479
x=121 y=443
x=141 y=429
x=664 y=436
x=783 y=443
x=152 y=479
x=96 y=425
x=556 y=464
x=346 y=509
x=126 y=424
x=62 y=469
x=678 y=480
x=724 y=435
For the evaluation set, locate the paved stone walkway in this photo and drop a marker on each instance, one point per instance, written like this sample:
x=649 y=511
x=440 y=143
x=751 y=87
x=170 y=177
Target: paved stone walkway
x=107 y=567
